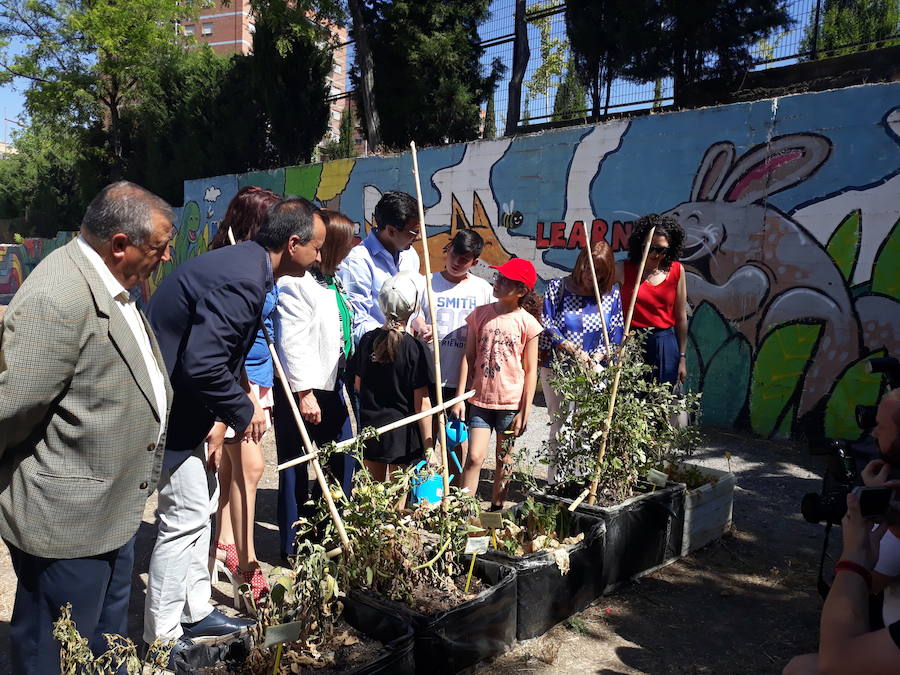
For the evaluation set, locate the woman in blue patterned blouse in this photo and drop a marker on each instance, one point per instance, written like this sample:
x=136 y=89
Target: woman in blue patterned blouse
x=572 y=325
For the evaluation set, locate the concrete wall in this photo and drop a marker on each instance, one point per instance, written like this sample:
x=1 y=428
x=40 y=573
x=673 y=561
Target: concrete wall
x=791 y=207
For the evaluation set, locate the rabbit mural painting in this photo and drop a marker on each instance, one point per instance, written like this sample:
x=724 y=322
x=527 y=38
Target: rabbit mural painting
x=790 y=208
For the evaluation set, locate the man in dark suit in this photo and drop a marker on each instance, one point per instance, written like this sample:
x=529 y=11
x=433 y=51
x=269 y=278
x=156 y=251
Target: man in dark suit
x=83 y=404
x=206 y=315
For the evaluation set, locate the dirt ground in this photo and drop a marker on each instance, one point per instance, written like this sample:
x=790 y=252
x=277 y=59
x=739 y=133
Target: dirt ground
x=745 y=604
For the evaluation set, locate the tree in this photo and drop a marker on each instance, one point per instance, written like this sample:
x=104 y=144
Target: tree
x=704 y=39
x=208 y=120
x=490 y=120
x=344 y=146
x=429 y=84
x=366 y=68
x=606 y=36
x=86 y=61
x=291 y=61
x=847 y=26
x=553 y=52
x=570 y=96
x=521 y=55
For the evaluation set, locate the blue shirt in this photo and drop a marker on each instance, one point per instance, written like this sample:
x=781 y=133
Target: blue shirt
x=363 y=272
x=567 y=316
x=259 y=361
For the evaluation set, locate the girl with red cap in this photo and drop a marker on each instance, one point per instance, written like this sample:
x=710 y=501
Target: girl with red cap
x=501 y=366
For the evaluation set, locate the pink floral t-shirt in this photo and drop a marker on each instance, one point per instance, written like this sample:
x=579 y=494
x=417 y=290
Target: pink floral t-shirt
x=497 y=375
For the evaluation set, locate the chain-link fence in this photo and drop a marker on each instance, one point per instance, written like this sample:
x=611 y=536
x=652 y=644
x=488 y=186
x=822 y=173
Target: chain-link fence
x=819 y=29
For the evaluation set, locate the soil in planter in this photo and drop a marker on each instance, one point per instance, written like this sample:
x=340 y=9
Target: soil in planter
x=691 y=476
x=432 y=599
x=349 y=650
x=604 y=499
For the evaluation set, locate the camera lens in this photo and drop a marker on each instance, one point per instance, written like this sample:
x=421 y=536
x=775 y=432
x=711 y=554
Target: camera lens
x=865 y=416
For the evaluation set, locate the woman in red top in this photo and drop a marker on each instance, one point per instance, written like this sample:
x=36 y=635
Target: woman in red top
x=662 y=296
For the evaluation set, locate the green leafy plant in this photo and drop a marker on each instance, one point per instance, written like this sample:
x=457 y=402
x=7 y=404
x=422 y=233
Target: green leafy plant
x=641 y=434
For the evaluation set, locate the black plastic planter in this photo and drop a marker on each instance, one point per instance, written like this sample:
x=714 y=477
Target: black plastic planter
x=450 y=641
x=545 y=596
x=643 y=533
x=394 y=632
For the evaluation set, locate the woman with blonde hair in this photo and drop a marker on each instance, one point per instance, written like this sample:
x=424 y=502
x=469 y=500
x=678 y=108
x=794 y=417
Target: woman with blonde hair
x=573 y=329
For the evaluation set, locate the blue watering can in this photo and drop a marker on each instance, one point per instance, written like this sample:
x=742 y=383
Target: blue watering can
x=457 y=433
x=427 y=487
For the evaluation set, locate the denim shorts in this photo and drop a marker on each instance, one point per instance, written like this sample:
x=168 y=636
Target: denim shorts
x=488 y=418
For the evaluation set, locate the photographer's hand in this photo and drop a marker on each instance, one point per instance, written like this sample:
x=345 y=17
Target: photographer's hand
x=876 y=473
x=861 y=542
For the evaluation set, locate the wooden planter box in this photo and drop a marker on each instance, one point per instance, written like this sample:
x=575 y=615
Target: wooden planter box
x=707 y=510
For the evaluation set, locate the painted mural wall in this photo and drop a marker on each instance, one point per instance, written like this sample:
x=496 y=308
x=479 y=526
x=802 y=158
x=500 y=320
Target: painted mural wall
x=791 y=208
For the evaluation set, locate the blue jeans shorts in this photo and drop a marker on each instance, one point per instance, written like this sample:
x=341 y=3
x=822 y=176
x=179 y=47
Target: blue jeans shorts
x=487 y=418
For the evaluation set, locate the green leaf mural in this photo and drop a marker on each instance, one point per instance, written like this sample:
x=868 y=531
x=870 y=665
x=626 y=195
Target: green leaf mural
x=843 y=246
x=302 y=181
x=709 y=330
x=855 y=387
x=726 y=381
x=778 y=373
x=886 y=271
x=694 y=379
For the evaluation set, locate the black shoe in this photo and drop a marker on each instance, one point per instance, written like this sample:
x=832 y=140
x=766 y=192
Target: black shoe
x=495 y=507
x=214 y=624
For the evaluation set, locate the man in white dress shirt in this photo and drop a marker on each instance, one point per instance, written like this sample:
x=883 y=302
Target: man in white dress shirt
x=386 y=251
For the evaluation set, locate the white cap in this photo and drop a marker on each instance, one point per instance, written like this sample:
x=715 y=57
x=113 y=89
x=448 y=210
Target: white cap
x=399 y=296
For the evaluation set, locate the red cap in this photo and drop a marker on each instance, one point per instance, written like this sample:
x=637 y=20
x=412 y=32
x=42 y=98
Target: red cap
x=518 y=269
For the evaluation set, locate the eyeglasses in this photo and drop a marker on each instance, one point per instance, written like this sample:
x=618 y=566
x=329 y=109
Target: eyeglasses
x=658 y=250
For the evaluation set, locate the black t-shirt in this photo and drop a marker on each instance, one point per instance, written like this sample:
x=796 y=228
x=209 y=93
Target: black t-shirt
x=387 y=394
x=894 y=630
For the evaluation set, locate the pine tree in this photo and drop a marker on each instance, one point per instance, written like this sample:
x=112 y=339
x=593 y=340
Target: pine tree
x=570 y=96
x=490 y=120
x=429 y=84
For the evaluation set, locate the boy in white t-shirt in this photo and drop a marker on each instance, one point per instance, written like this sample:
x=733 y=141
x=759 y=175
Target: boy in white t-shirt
x=457 y=293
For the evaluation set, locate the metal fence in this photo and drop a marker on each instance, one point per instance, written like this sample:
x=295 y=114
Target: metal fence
x=547 y=35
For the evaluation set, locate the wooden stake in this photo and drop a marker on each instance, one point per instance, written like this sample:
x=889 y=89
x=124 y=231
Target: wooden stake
x=435 y=336
x=312 y=455
x=599 y=299
x=592 y=499
x=388 y=427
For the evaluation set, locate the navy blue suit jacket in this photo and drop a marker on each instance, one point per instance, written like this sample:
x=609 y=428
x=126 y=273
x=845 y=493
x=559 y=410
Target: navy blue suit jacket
x=205 y=316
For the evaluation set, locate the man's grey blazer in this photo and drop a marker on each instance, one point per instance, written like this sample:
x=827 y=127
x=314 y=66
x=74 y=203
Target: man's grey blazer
x=78 y=419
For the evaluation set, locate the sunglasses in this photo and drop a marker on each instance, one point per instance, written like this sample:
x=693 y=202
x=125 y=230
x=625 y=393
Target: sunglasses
x=659 y=250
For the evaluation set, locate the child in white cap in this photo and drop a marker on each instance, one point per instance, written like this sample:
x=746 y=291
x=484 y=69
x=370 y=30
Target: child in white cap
x=394 y=372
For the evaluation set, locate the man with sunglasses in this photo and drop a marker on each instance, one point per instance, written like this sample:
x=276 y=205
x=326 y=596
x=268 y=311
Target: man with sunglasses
x=386 y=251
x=84 y=399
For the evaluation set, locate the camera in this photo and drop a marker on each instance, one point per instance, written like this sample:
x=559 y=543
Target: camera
x=865 y=416
x=841 y=476
x=887 y=365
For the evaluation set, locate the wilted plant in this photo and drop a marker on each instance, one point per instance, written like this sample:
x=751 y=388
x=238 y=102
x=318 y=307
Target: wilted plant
x=76 y=657
x=394 y=548
x=641 y=435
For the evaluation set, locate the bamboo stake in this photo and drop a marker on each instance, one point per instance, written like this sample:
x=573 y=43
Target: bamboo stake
x=599 y=299
x=390 y=427
x=312 y=455
x=435 y=337
x=592 y=499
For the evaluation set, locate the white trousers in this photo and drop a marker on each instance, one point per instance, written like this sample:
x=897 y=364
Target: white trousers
x=552 y=400
x=178 y=589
